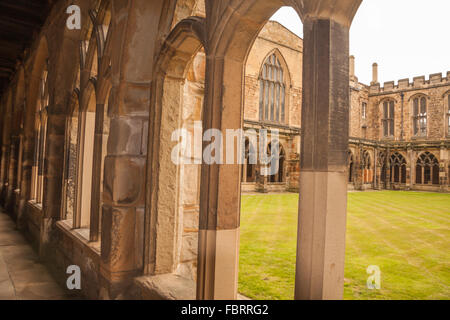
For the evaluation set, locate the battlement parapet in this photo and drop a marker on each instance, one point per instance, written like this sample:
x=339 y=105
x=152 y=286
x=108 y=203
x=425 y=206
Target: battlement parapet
x=435 y=79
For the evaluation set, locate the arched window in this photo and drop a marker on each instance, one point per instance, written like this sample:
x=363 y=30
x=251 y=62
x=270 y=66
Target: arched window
x=427 y=169
x=350 y=167
x=382 y=165
x=398 y=168
x=272 y=97
x=364 y=111
x=87 y=129
x=71 y=154
x=367 y=167
x=420 y=116
x=37 y=180
x=388 y=118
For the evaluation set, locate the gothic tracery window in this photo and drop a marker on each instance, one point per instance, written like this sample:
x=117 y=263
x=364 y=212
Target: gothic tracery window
x=398 y=168
x=427 y=169
x=272 y=97
x=388 y=118
x=420 y=116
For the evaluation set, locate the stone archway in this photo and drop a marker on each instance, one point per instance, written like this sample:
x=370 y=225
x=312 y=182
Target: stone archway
x=173 y=187
x=231 y=33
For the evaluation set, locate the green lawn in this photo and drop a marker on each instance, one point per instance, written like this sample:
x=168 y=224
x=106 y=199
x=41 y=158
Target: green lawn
x=406 y=234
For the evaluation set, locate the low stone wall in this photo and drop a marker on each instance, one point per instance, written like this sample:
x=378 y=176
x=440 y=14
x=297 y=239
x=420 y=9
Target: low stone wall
x=71 y=248
x=32 y=224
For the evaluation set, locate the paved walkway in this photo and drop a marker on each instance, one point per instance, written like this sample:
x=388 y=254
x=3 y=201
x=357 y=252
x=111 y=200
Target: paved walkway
x=22 y=277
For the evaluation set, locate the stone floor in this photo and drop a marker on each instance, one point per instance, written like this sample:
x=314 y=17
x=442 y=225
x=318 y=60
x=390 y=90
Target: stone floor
x=22 y=277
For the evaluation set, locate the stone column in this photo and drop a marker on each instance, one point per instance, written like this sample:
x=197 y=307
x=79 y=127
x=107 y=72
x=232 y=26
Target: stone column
x=220 y=193
x=375 y=169
x=3 y=173
x=358 y=169
x=444 y=168
x=12 y=172
x=4 y=165
x=325 y=136
x=135 y=26
x=53 y=176
x=25 y=183
x=261 y=180
x=388 y=169
x=97 y=175
x=411 y=169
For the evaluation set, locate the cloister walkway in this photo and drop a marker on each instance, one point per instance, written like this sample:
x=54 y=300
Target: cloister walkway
x=22 y=276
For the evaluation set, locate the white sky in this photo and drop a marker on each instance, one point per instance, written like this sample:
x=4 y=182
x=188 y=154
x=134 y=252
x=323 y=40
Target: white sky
x=407 y=38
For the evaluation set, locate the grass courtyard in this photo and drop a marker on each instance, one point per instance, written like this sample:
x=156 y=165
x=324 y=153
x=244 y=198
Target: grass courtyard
x=406 y=234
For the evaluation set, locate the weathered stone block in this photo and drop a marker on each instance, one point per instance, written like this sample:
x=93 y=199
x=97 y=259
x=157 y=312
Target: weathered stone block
x=124 y=181
x=125 y=137
x=121 y=231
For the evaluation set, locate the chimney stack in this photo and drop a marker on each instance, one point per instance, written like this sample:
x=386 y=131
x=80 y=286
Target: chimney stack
x=352 y=67
x=374 y=74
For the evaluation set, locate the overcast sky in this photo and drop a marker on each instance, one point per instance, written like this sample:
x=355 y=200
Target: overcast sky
x=407 y=38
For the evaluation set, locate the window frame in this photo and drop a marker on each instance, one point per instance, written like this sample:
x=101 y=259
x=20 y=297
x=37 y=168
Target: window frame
x=429 y=167
x=364 y=111
x=398 y=168
x=420 y=116
x=273 y=81
x=388 y=119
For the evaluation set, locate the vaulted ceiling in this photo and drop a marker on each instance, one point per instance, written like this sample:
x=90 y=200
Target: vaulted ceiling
x=20 y=20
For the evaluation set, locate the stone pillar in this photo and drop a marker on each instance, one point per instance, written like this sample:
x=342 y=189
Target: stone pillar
x=358 y=169
x=325 y=136
x=411 y=169
x=12 y=172
x=388 y=169
x=220 y=193
x=122 y=223
x=53 y=177
x=97 y=174
x=375 y=169
x=444 y=169
x=3 y=172
x=261 y=180
x=4 y=164
x=27 y=167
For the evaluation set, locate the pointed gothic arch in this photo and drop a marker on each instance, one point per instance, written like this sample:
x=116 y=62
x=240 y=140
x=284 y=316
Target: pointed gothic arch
x=398 y=168
x=427 y=169
x=274 y=86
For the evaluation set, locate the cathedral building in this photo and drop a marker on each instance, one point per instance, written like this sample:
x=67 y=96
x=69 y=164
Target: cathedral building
x=399 y=133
